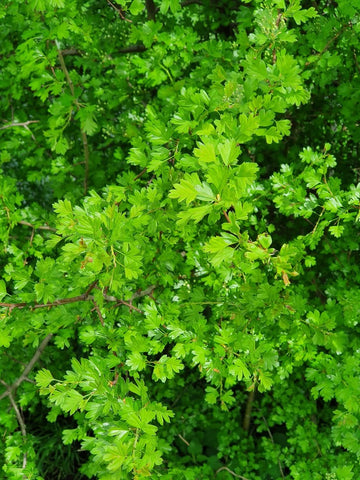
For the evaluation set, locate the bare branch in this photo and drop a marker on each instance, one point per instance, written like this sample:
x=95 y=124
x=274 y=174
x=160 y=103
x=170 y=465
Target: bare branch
x=120 y=12
x=132 y=49
x=71 y=51
x=231 y=472
x=81 y=298
x=183 y=440
x=10 y=389
x=96 y=307
x=18 y=415
x=41 y=227
x=21 y=424
x=249 y=405
x=185 y=3
x=32 y=362
x=21 y=124
x=272 y=441
x=329 y=43
x=18 y=124
x=150 y=9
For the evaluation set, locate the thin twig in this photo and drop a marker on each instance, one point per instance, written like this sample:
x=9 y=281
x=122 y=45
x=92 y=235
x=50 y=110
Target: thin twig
x=71 y=51
x=81 y=298
x=184 y=440
x=21 y=124
x=18 y=415
x=18 y=124
x=185 y=3
x=132 y=49
x=24 y=376
x=249 y=405
x=140 y=174
x=97 y=309
x=231 y=472
x=120 y=12
x=41 y=227
x=272 y=441
x=21 y=424
x=329 y=43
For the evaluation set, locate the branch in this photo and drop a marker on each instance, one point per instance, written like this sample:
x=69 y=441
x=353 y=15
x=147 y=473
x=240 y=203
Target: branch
x=96 y=307
x=19 y=124
x=82 y=298
x=21 y=424
x=327 y=46
x=12 y=388
x=185 y=3
x=150 y=9
x=272 y=441
x=133 y=49
x=71 y=51
x=231 y=472
x=120 y=12
x=249 y=404
x=42 y=227
x=83 y=134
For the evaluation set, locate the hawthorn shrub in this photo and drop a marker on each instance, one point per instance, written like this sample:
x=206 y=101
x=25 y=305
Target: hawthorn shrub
x=179 y=208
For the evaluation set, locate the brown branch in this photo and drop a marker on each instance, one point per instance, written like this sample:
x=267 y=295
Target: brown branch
x=140 y=174
x=185 y=3
x=132 y=49
x=42 y=227
x=249 y=405
x=83 y=133
x=71 y=51
x=329 y=43
x=10 y=389
x=143 y=293
x=22 y=124
x=150 y=9
x=226 y=216
x=231 y=472
x=120 y=12
x=183 y=440
x=19 y=124
x=21 y=423
x=18 y=415
x=97 y=309
x=272 y=441
x=82 y=298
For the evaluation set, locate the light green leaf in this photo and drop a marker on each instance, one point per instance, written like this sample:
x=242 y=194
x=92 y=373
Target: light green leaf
x=136 y=7
x=44 y=377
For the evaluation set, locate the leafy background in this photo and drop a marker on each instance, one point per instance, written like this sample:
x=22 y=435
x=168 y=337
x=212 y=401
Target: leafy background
x=179 y=195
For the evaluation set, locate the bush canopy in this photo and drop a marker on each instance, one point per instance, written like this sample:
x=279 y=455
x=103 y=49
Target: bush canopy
x=179 y=239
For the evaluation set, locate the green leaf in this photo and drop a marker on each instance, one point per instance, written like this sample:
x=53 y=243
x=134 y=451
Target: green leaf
x=136 y=7
x=229 y=151
x=44 y=378
x=239 y=370
x=245 y=175
x=87 y=119
x=136 y=361
x=5 y=339
x=205 y=152
x=204 y=192
x=185 y=190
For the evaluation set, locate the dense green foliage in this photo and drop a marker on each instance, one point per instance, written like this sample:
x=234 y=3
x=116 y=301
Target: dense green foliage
x=180 y=198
